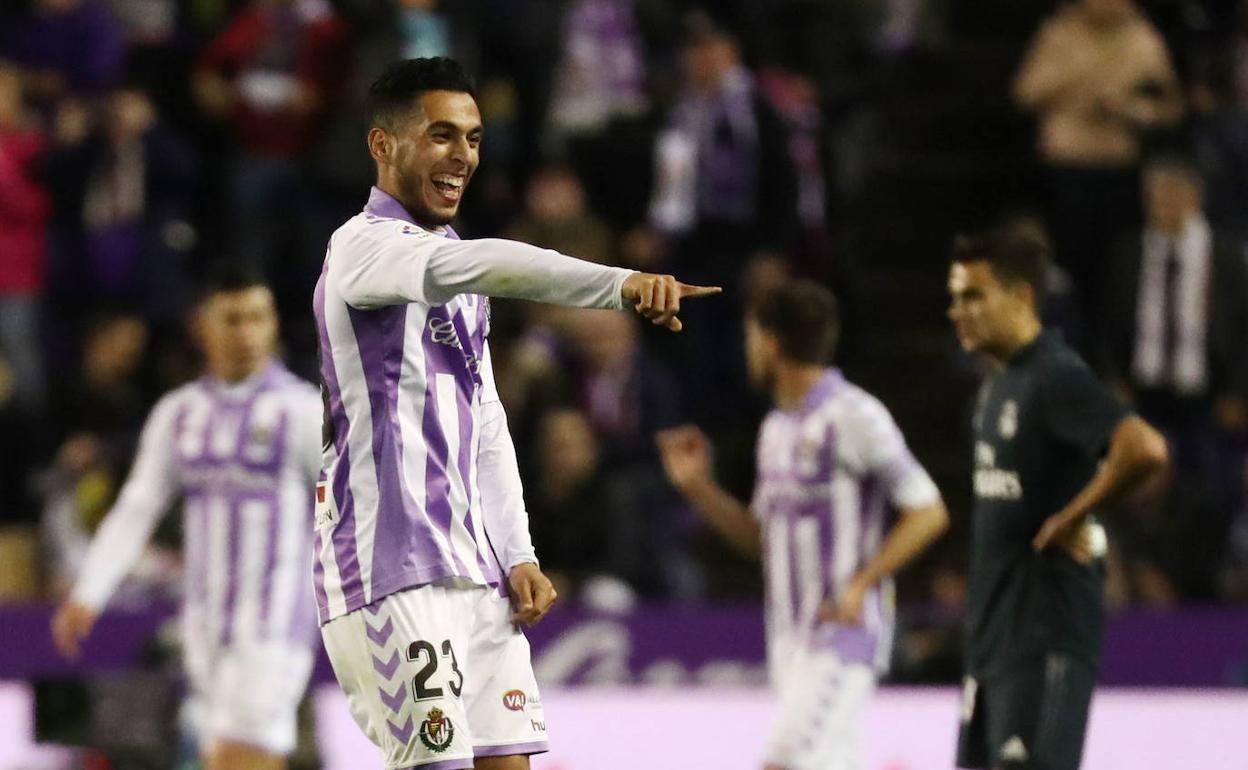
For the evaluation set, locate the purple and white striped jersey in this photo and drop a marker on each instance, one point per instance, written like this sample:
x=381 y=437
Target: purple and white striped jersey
x=419 y=480
x=827 y=475
x=244 y=458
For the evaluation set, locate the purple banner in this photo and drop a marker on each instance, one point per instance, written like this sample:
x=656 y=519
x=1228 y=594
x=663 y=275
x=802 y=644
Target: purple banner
x=684 y=646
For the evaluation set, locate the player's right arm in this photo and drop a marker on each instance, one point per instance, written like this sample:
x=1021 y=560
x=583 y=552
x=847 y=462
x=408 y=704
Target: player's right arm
x=124 y=533
x=391 y=263
x=686 y=456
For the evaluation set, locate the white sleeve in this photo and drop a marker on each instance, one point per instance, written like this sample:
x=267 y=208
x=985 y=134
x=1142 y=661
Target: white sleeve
x=391 y=263
x=498 y=473
x=880 y=451
x=126 y=529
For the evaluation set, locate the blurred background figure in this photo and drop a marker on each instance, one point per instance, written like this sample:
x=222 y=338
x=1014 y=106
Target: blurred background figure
x=1218 y=133
x=65 y=47
x=99 y=414
x=1176 y=329
x=600 y=102
x=582 y=554
x=1099 y=79
x=743 y=144
x=24 y=210
x=724 y=189
x=272 y=73
x=122 y=183
x=557 y=216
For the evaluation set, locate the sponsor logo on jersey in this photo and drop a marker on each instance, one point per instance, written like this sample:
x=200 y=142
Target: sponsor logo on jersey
x=443 y=332
x=1007 y=421
x=326 y=512
x=436 y=731
x=412 y=230
x=992 y=482
x=969 y=688
x=538 y=726
x=996 y=484
x=1013 y=750
x=514 y=700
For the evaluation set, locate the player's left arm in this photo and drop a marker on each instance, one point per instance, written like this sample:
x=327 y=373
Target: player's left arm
x=1136 y=452
x=883 y=454
x=1084 y=416
x=502 y=504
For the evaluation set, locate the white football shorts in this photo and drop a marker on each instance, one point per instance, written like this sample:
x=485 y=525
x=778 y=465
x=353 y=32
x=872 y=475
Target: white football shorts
x=818 y=725
x=437 y=675
x=247 y=693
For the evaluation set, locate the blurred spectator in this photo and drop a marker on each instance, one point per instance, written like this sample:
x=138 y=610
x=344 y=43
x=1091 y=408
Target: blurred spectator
x=724 y=189
x=65 y=47
x=425 y=32
x=272 y=73
x=100 y=410
x=556 y=217
x=1177 y=331
x=1098 y=77
x=814 y=251
x=24 y=210
x=930 y=635
x=122 y=191
x=600 y=104
x=626 y=395
x=1218 y=131
x=571 y=483
x=722 y=162
x=602 y=73
x=99 y=413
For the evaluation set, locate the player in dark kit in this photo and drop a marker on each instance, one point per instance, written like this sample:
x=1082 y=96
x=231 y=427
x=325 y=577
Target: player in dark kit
x=1052 y=447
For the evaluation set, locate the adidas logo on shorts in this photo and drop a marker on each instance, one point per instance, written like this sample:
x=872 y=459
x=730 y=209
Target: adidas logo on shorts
x=1013 y=750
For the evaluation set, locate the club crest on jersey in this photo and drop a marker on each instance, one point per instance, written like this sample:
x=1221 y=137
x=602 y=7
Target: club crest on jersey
x=436 y=732
x=514 y=700
x=1007 y=421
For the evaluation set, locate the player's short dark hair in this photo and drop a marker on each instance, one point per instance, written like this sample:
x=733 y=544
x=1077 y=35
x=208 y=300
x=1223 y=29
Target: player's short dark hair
x=804 y=316
x=394 y=94
x=1015 y=254
x=228 y=276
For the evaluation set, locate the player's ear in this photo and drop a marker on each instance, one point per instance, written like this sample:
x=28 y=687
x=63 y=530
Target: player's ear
x=380 y=145
x=1029 y=295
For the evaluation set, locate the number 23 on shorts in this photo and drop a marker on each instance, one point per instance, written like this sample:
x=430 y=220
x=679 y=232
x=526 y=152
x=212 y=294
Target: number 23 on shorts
x=425 y=653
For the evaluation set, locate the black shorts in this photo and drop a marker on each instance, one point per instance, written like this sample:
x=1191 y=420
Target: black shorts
x=1033 y=717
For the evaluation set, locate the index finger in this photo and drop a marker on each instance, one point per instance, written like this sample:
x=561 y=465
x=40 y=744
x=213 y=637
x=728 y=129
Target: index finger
x=690 y=290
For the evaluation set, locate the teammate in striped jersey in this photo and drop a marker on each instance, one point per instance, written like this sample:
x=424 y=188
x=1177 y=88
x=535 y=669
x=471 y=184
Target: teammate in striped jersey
x=240 y=446
x=422 y=537
x=831 y=462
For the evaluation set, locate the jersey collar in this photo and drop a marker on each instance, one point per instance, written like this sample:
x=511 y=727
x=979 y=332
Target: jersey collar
x=825 y=386
x=383 y=204
x=1025 y=354
x=245 y=387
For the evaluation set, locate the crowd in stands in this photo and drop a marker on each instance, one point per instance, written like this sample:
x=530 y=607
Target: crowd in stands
x=142 y=140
